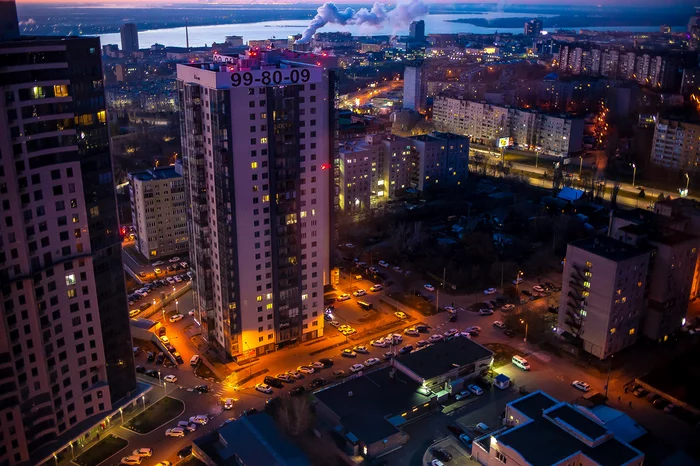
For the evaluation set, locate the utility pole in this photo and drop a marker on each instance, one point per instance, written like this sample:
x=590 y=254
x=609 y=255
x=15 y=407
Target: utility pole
x=607 y=383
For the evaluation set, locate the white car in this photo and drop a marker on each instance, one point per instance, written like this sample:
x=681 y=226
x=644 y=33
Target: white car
x=538 y=288
x=490 y=291
x=508 y=307
x=583 y=386
x=434 y=338
x=191 y=313
x=131 y=460
x=263 y=388
x=422 y=343
x=436 y=462
x=178 y=279
x=371 y=362
x=199 y=419
x=343 y=297
x=165 y=339
x=376 y=287
x=359 y=293
x=143 y=452
x=349 y=245
x=397 y=269
x=475 y=389
x=450 y=309
x=394 y=338
x=228 y=404
x=411 y=331
x=295 y=374
x=356 y=368
x=361 y=349
x=373 y=270
x=517 y=281
x=450 y=332
x=285 y=377
x=170 y=378
x=306 y=369
x=485 y=312
x=317 y=365
x=400 y=315
x=499 y=324
x=157 y=263
x=378 y=343
x=184 y=265
x=474 y=328
x=429 y=287
x=174 y=259
x=170 y=280
x=176 y=317
x=384 y=263
x=175 y=432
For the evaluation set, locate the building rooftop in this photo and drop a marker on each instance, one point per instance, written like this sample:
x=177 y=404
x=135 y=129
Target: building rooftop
x=644 y=216
x=153 y=174
x=441 y=357
x=610 y=248
x=658 y=234
x=365 y=403
x=560 y=431
x=251 y=440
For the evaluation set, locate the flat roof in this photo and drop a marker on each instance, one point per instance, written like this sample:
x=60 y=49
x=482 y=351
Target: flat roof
x=659 y=234
x=440 y=358
x=161 y=173
x=609 y=248
x=252 y=439
x=544 y=440
x=364 y=403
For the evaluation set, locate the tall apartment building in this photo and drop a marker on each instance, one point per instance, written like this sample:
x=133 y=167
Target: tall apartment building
x=603 y=294
x=399 y=164
x=414 y=88
x=66 y=352
x=676 y=144
x=361 y=165
x=441 y=160
x=258 y=161
x=533 y=28
x=158 y=211
x=671 y=277
x=484 y=123
x=130 y=38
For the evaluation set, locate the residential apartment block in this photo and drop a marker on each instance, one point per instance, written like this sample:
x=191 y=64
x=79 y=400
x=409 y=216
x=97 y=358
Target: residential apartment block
x=540 y=429
x=66 y=351
x=484 y=123
x=158 y=211
x=415 y=88
x=378 y=168
x=676 y=144
x=603 y=299
x=258 y=162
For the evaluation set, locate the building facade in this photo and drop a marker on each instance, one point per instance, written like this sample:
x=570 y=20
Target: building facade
x=676 y=144
x=441 y=160
x=603 y=296
x=158 y=211
x=484 y=123
x=258 y=158
x=414 y=88
x=66 y=354
x=362 y=172
x=130 y=38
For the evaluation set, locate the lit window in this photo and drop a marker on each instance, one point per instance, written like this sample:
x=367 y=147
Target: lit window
x=304 y=297
x=619 y=292
x=71 y=293
x=631 y=331
x=268 y=296
x=263 y=140
x=268 y=306
x=624 y=299
x=303 y=213
x=589 y=264
x=587 y=284
x=253 y=165
x=60 y=90
x=258 y=299
x=102 y=116
x=639 y=284
x=585 y=294
x=583 y=312
x=70 y=279
x=266 y=198
x=613 y=330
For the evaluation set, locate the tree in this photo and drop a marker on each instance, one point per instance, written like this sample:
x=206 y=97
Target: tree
x=398 y=238
x=294 y=415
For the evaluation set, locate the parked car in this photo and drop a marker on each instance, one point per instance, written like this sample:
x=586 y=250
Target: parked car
x=376 y=287
x=170 y=378
x=384 y=263
x=143 y=452
x=327 y=362
x=359 y=293
x=441 y=454
x=176 y=317
x=272 y=381
x=356 y=368
x=372 y=362
x=131 y=460
x=306 y=369
x=485 y=312
x=348 y=353
x=411 y=331
x=436 y=337
x=499 y=324
x=343 y=297
x=185 y=452
x=400 y=315
x=461 y=395
x=429 y=287
x=422 y=328
x=507 y=307
x=140 y=369
x=579 y=385
x=297 y=391
x=406 y=349
x=475 y=389
x=317 y=383
x=263 y=388
x=466 y=440
x=339 y=374
x=175 y=432
x=482 y=427
x=361 y=349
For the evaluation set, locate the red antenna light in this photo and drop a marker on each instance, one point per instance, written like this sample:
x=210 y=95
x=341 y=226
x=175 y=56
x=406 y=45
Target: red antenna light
x=325 y=166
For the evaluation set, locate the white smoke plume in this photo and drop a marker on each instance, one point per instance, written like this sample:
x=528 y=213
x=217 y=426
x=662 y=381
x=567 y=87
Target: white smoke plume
x=403 y=13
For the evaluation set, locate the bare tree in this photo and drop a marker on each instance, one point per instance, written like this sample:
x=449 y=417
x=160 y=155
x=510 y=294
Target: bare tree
x=398 y=237
x=294 y=415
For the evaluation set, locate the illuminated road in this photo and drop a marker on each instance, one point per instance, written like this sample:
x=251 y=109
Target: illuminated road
x=365 y=95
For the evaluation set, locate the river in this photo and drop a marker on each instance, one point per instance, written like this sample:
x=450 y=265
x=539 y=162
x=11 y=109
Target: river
x=434 y=24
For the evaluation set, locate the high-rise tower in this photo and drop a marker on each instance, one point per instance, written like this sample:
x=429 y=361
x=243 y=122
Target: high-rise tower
x=130 y=38
x=258 y=144
x=65 y=351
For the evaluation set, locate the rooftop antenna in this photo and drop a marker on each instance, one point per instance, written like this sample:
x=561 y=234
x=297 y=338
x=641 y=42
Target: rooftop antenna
x=187 y=35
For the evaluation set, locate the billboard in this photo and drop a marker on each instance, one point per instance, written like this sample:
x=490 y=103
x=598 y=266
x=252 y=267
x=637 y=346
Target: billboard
x=505 y=142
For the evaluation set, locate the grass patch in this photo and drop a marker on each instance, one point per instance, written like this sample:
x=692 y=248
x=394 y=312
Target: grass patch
x=102 y=450
x=502 y=354
x=156 y=415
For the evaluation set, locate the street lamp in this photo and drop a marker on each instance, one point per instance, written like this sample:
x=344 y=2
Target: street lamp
x=526 y=328
x=580 y=167
x=687 y=182
x=143 y=398
x=176 y=307
x=122 y=414
x=634 y=173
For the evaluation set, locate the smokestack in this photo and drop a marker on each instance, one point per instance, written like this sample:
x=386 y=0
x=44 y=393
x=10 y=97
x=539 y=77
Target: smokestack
x=9 y=24
x=187 y=36
x=402 y=14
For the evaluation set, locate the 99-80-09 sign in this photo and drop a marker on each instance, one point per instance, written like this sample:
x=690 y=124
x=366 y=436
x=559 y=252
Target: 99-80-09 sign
x=275 y=77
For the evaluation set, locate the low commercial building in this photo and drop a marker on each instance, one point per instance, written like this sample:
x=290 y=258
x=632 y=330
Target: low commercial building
x=369 y=410
x=602 y=302
x=542 y=431
x=250 y=440
x=435 y=366
x=158 y=211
